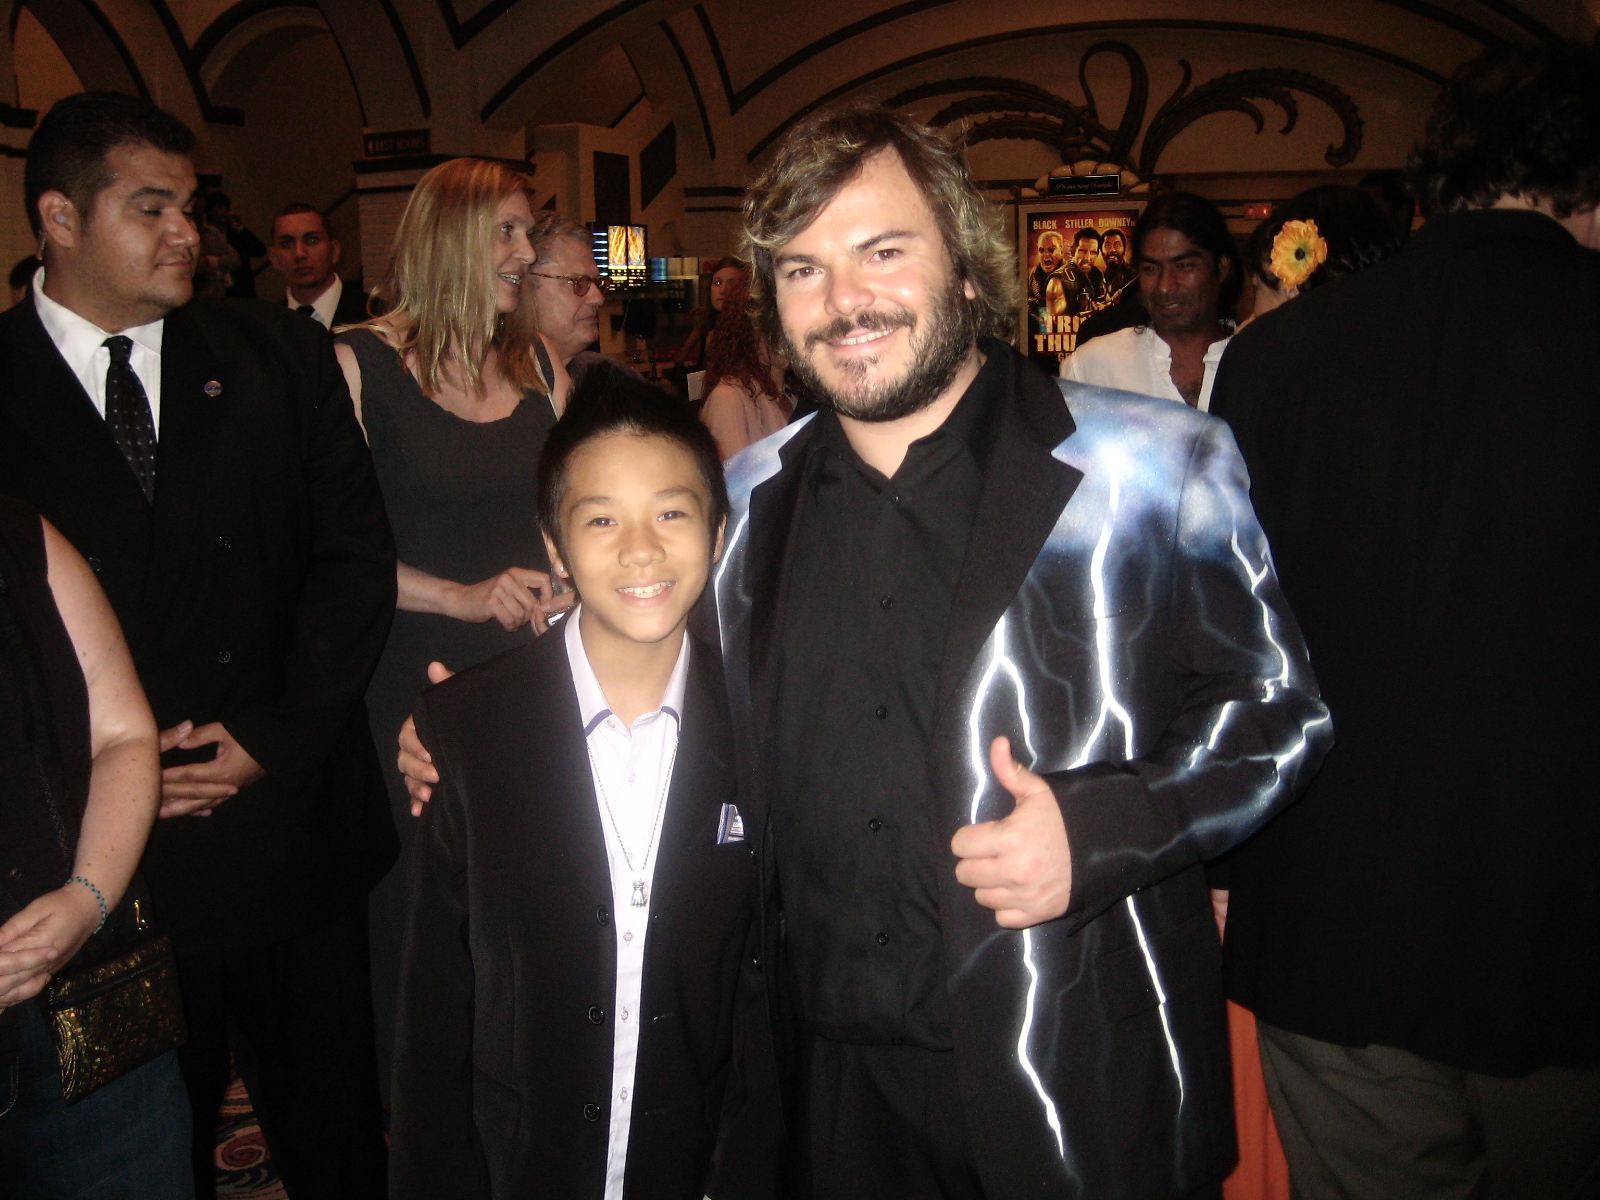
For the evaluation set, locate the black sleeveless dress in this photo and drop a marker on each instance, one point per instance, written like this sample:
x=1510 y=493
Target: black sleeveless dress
x=44 y=739
x=461 y=497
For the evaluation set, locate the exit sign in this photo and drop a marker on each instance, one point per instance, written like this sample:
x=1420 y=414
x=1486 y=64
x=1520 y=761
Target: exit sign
x=398 y=142
x=1085 y=185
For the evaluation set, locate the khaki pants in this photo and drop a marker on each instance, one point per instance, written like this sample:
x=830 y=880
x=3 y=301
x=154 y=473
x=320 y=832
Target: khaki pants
x=1376 y=1123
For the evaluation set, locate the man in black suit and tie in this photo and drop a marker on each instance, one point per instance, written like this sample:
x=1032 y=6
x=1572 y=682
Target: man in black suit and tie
x=206 y=460
x=305 y=250
x=1419 y=937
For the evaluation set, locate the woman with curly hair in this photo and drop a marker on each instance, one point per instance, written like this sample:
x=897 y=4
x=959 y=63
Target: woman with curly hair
x=729 y=273
x=746 y=398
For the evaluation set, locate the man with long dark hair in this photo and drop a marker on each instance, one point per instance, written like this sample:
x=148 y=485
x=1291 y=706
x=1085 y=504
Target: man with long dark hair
x=1188 y=278
x=1419 y=937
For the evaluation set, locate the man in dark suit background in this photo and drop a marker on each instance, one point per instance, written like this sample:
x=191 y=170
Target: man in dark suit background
x=1420 y=935
x=306 y=250
x=206 y=460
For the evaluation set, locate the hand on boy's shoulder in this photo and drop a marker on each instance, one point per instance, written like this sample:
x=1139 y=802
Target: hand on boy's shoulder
x=416 y=764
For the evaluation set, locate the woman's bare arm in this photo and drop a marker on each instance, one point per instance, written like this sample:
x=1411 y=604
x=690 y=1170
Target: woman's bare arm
x=124 y=783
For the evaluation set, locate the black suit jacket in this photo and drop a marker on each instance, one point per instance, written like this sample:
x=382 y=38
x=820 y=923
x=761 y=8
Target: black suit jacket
x=256 y=591
x=504 y=1050
x=1423 y=438
x=352 y=306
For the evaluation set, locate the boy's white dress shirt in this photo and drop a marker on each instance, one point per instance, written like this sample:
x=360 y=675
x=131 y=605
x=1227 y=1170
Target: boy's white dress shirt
x=632 y=768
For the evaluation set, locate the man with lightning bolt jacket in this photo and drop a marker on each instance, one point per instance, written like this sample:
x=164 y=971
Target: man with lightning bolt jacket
x=970 y=606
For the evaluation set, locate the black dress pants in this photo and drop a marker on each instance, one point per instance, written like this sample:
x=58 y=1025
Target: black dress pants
x=887 y=1123
x=297 y=1015
x=881 y=1123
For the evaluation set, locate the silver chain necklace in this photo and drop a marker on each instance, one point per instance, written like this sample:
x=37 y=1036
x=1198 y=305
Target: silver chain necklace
x=641 y=895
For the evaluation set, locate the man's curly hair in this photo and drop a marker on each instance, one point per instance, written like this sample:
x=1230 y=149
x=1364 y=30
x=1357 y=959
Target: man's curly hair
x=823 y=153
x=1519 y=121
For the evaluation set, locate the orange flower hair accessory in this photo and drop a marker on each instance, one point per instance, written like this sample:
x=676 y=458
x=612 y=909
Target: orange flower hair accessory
x=1297 y=252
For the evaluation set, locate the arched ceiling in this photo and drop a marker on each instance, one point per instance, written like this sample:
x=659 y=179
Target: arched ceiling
x=733 y=74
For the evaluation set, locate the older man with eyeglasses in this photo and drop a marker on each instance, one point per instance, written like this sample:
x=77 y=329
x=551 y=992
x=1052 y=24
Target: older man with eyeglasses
x=567 y=293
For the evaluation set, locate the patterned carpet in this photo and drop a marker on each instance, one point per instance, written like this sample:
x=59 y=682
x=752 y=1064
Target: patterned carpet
x=244 y=1168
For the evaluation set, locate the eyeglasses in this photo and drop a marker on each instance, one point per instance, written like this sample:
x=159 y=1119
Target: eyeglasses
x=580 y=283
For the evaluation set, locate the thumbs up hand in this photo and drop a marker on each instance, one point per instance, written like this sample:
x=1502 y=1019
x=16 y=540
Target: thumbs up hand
x=1020 y=866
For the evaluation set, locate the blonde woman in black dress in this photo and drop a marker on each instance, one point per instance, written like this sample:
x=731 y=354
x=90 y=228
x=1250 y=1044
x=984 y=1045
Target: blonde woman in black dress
x=457 y=392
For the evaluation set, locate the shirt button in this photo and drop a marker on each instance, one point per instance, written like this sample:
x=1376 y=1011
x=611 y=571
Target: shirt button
x=632 y=777
x=624 y=1094
x=603 y=915
x=881 y=712
x=591 y=1112
x=596 y=1014
x=628 y=936
x=624 y=1017
x=874 y=824
x=224 y=657
x=883 y=939
x=886 y=602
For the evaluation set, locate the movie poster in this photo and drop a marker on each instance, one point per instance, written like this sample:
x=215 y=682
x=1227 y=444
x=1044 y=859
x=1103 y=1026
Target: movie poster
x=1076 y=262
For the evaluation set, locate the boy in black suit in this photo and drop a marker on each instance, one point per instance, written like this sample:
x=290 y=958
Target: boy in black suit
x=582 y=898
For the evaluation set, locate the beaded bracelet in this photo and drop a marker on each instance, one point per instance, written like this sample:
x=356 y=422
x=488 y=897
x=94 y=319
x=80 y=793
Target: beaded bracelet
x=99 y=899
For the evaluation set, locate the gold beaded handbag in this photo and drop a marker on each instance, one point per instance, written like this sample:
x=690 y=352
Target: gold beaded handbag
x=116 y=1015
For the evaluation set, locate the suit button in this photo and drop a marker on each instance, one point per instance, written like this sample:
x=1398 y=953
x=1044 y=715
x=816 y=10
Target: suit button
x=591 y=1112
x=224 y=656
x=597 y=1015
x=224 y=543
x=883 y=939
x=874 y=824
x=603 y=915
x=881 y=712
x=886 y=603
x=95 y=564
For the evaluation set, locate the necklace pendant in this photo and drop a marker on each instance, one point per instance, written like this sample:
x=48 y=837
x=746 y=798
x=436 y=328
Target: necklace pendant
x=639 y=896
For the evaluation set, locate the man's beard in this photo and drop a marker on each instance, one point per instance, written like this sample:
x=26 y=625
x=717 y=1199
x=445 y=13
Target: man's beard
x=946 y=341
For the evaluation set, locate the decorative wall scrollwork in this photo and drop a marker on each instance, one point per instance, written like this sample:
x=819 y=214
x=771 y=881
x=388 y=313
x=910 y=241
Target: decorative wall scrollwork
x=1012 y=108
x=1234 y=92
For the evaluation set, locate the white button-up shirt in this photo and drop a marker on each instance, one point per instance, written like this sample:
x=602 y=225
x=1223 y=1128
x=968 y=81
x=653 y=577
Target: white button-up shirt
x=324 y=306
x=632 y=769
x=82 y=344
x=1137 y=360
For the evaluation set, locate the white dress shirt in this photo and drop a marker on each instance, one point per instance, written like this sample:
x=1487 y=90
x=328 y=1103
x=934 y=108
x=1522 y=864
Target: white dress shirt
x=632 y=768
x=324 y=306
x=1137 y=360
x=82 y=344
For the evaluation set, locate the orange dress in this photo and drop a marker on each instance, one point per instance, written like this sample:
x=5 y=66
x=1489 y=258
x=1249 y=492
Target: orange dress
x=1262 y=1173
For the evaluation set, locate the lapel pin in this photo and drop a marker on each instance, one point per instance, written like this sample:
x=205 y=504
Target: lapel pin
x=213 y=389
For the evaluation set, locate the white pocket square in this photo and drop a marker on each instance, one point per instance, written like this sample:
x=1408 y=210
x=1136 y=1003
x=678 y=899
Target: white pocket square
x=731 y=827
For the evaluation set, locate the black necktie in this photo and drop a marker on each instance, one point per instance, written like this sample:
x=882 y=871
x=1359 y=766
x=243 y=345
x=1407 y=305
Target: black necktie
x=305 y=310
x=128 y=415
